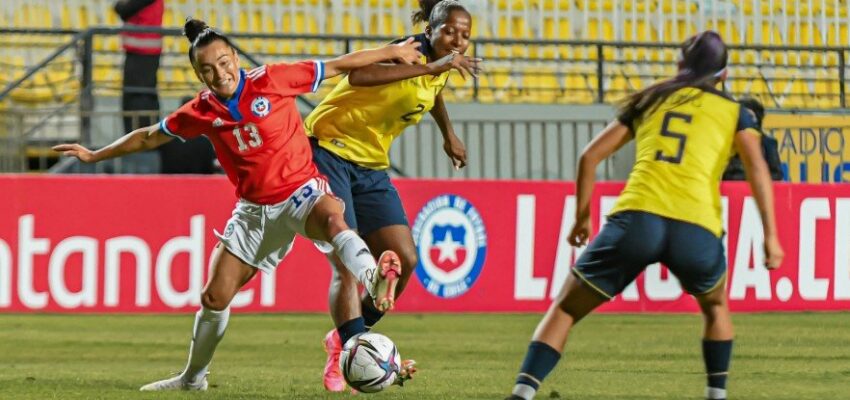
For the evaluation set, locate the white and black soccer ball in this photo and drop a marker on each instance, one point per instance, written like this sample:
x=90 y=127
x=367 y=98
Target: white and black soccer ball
x=369 y=362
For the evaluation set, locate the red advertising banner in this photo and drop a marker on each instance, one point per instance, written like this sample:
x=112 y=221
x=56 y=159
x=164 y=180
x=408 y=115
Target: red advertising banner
x=142 y=244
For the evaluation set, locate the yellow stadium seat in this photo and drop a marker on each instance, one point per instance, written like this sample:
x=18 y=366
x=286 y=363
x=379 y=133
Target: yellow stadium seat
x=780 y=82
x=540 y=85
x=556 y=29
x=386 y=24
x=578 y=88
x=599 y=29
x=595 y=5
x=759 y=87
x=751 y=7
x=502 y=83
x=640 y=6
x=486 y=89
x=551 y=5
x=461 y=89
x=681 y=6
x=837 y=37
x=798 y=94
x=826 y=90
x=840 y=11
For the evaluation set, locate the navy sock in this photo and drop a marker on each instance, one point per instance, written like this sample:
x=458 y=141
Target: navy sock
x=717 y=354
x=371 y=315
x=539 y=361
x=350 y=329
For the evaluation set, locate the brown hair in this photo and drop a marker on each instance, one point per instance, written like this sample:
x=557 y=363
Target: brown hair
x=703 y=60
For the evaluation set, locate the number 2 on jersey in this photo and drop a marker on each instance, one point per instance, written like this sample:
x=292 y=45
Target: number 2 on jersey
x=681 y=137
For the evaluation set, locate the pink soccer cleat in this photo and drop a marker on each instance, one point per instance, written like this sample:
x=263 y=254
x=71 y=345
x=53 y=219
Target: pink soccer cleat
x=332 y=379
x=385 y=281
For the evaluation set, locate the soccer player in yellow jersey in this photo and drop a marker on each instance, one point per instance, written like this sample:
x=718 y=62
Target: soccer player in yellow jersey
x=352 y=130
x=670 y=212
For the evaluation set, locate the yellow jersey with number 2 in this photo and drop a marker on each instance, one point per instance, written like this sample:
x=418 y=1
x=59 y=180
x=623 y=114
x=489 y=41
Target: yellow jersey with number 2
x=683 y=146
x=359 y=123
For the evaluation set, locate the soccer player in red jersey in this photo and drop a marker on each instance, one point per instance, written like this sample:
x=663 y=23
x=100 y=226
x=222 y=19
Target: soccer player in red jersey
x=252 y=120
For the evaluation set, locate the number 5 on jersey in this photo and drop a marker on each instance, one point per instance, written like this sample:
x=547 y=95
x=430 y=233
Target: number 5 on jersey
x=681 y=137
x=254 y=138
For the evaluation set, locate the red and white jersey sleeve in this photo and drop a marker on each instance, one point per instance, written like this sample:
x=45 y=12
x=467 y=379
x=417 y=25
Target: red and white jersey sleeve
x=186 y=122
x=296 y=78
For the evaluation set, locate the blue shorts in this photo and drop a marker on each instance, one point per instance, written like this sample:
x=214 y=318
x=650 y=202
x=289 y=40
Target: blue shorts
x=371 y=200
x=632 y=240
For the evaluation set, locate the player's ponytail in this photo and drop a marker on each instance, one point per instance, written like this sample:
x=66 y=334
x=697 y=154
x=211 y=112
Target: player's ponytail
x=435 y=12
x=702 y=63
x=199 y=35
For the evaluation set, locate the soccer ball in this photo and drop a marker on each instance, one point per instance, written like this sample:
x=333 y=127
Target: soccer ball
x=369 y=362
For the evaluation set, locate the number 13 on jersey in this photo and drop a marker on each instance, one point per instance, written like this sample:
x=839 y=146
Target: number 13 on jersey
x=680 y=137
x=254 y=139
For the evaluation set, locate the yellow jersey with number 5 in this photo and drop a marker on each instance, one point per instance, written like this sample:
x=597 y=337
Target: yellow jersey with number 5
x=359 y=123
x=683 y=146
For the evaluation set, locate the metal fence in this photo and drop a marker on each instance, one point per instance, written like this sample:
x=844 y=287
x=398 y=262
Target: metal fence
x=505 y=148
x=540 y=149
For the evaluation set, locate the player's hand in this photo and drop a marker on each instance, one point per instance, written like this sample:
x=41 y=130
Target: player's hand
x=463 y=64
x=773 y=253
x=456 y=151
x=75 y=150
x=407 y=52
x=580 y=232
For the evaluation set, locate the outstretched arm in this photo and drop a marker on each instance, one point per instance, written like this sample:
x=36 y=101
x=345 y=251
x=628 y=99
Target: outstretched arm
x=452 y=145
x=614 y=136
x=748 y=145
x=406 y=52
x=141 y=139
x=381 y=74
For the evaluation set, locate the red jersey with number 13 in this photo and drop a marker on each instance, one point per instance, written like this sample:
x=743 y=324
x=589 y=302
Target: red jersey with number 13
x=258 y=133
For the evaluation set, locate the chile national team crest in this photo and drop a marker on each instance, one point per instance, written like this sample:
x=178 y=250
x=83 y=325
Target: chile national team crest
x=261 y=106
x=451 y=242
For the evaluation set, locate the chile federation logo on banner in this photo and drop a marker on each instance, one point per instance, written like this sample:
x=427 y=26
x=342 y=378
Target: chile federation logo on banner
x=451 y=243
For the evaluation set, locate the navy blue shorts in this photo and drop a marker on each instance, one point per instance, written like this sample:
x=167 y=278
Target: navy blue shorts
x=371 y=200
x=632 y=240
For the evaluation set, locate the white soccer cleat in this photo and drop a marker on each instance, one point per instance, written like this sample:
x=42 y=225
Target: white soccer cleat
x=384 y=280
x=175 y=383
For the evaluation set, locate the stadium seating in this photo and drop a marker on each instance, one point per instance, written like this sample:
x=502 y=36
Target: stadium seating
x=538 y=73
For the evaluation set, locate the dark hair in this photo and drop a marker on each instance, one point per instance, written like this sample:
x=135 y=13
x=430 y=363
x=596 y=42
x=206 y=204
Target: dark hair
x=435 y=12
x=755 y=106
x=703 y=60
x=200 y=34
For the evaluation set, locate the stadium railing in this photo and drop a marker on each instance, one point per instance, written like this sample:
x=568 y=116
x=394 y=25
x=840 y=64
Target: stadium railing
x=70 y=68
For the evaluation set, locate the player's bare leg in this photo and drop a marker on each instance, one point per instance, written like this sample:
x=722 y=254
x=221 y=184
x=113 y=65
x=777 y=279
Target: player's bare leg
x=717 y=340
x=326 y=223
x=575 y=301
x=227 y=275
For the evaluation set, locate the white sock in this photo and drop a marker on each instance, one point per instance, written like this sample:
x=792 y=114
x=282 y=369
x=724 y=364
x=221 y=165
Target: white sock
x=714 y=393
x=208 y=330
x=355 y=254
x=525 y=391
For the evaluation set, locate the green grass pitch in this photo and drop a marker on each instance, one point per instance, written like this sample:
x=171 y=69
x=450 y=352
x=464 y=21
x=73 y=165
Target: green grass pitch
x=473 y=356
